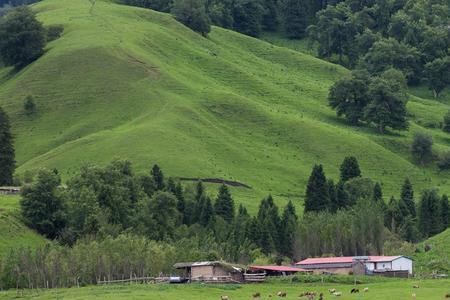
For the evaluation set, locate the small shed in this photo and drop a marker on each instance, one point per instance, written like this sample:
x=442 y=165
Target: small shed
x=211 y=272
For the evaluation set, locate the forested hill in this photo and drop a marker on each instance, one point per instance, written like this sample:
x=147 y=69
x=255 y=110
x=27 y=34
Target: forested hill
x=134 y=83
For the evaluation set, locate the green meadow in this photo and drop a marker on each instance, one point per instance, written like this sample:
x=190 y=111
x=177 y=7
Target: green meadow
x=133 y=83
x=389 y=290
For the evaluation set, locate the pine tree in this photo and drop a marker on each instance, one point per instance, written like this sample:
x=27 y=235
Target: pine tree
x=377 y=193
x=158 y=177
x=288 y=229
x=407 y=195
x=207 y=212
x=349 y=168
x=7 y=161
x=445 y=212
x=181 y=203
x=430 y=218
x=317 y=198
x=341 y=195
x=334 y=205
x=171 y=187
x=391 y=216
x=224 y=206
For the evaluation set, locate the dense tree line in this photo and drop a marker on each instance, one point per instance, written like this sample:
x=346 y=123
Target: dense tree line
x=404 y=217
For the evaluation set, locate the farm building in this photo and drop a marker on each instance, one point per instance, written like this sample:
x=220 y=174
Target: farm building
x=277 y=270
x=211 y=271
x=397 y=266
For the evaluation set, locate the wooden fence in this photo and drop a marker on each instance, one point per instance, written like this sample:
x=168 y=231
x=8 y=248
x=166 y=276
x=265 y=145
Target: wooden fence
x=254 y=277
x=135 y=280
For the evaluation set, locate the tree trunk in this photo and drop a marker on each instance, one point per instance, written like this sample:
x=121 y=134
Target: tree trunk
x=435 y=94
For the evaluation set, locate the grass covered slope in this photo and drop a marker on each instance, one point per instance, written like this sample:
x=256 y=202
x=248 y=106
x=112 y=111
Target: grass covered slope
x=13 y=233
x=134 y=83
x=437 y=259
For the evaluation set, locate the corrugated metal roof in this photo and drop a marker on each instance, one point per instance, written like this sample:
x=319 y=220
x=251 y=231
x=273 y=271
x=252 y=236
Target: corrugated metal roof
x=278 y=268
x=346 y=259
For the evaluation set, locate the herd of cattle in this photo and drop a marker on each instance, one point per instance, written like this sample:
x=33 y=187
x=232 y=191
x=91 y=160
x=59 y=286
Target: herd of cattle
x=310 y=295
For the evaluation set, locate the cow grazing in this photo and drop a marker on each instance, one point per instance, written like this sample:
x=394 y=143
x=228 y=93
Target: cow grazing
x=416 y=286
x=332 y=291
x=366 y=289
x=256 y=295
x=354 y=291
x=281 y=294
x=337 y=294
x=224 y=298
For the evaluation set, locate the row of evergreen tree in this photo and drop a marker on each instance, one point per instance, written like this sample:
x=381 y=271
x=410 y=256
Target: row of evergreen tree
x=412 y=222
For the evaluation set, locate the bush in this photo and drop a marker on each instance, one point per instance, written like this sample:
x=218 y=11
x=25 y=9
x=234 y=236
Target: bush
x=421 y=148
x=28 y=105
x=53 y=32
x=444 y=162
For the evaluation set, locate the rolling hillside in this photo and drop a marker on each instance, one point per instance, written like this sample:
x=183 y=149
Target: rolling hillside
x=13 y=233
x=437 y=259
x=134 y=83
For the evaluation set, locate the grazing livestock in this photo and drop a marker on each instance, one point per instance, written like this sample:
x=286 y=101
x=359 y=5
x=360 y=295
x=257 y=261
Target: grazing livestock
x=354 y=291
x=256 y=295
x=308 y=294
x=337 y=294
x=281 y=294
x=366 y=289
x=332 y=291
x=224 y=298
x=416 y=286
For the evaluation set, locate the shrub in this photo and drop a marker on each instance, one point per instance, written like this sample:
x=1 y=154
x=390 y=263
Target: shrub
x=53 y=32
x=444 y=162
x=28 y=105
x=421 y=148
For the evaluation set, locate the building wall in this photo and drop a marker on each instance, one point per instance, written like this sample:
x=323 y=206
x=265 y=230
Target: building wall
x=219 y=271
x=341 y=271
x=402 y=264
x=385 y=265
x=198 y=271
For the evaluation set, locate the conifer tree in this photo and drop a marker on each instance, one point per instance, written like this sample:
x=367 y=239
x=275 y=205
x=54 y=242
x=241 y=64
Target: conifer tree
x=158 y=177
x=377 y=193
x=181 y=203
x=391 y=216
x=407 y=195
x=430 y=218
x=334 y=205
x=199 y=190
x=7 y=161
x=317 y=198
x=341 y=195
x=224 y=206
x=288 y=228
x=349 y=168
x=207 y=212
x=445 y=212
x=171 y=187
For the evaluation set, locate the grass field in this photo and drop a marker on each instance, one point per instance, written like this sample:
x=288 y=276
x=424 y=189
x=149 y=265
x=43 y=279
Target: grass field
x=390 y=290
x=133 y=83
x=437 y=259
x=13 y=233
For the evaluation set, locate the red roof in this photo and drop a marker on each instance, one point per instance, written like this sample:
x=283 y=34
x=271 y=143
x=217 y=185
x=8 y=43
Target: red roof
x=277 y=268
x=345 y=260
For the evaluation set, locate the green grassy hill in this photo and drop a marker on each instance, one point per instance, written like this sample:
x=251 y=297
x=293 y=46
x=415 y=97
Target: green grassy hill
x=134 y=83
x=13 y=233
x=437 y=259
